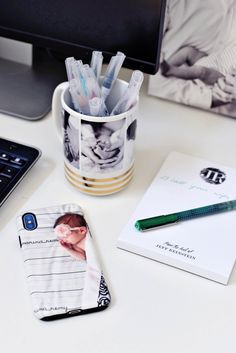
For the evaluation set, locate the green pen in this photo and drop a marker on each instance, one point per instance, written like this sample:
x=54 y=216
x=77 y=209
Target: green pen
x=159 y=221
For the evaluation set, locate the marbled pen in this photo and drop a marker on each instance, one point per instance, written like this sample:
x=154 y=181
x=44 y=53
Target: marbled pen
x=159 y=221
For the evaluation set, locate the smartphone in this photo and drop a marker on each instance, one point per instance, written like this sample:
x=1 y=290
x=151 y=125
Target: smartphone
x=61 y=265
x=15 y=161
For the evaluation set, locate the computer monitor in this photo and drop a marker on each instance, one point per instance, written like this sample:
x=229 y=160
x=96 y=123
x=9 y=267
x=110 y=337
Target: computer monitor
x=59 y=29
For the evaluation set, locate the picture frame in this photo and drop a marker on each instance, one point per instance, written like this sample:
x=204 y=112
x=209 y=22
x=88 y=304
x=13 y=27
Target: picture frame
x=198 y=56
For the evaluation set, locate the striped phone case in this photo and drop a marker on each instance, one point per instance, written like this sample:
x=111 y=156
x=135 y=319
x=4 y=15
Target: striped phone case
x=61 y=266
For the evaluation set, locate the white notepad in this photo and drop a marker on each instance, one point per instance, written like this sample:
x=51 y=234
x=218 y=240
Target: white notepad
x=204 y=246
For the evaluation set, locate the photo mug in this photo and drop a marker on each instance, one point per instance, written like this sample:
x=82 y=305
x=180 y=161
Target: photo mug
x=98 y=151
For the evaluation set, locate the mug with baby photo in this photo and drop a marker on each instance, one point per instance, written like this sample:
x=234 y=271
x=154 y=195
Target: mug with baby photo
x=98 y=150
x=198 y=53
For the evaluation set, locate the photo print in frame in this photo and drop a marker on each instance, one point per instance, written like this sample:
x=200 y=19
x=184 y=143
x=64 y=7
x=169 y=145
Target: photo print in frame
x=198 y=56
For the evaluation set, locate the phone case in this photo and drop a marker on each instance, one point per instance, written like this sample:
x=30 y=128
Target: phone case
x=62 y=270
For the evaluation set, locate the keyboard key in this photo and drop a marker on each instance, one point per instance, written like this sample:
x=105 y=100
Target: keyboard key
x=4 y=156
x=9 y=171
x=17 y=160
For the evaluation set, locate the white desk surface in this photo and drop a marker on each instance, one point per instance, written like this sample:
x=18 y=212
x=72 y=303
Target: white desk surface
x=155 y=308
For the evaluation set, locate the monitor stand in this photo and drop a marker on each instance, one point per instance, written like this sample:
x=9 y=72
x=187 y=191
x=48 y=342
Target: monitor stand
x=26 y=91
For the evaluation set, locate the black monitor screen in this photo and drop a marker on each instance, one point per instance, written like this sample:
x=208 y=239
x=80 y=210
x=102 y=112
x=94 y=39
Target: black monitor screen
x=76 y=27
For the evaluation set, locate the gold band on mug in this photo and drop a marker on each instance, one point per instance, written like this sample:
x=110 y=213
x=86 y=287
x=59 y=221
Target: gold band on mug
x=94 y=186
x=102 y=182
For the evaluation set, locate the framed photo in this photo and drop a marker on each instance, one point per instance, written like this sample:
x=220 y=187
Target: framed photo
x=198 y=55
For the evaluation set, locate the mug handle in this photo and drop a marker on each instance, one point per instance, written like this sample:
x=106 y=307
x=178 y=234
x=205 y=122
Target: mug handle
x=57 y=108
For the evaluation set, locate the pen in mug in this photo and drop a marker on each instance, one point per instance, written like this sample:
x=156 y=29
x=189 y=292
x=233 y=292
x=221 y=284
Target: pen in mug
x=80 y=74
x=94 y=106
x=69 y=63
x=75 y=97
x=93 y=89
x=80 y=101
x=97 y=107
x=73 y=83
x=87 y=85
x=129 y=98
x=96 y=63
x=111 y=73
x=159 y=221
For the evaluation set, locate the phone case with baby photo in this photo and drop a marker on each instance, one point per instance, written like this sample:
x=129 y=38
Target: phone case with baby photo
x=61 y=266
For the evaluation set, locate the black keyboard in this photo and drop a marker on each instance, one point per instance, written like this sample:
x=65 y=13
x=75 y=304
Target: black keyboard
x=15 y=161
x=10 y=167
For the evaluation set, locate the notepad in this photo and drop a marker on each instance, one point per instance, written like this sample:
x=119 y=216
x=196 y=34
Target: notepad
x=204 y=246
